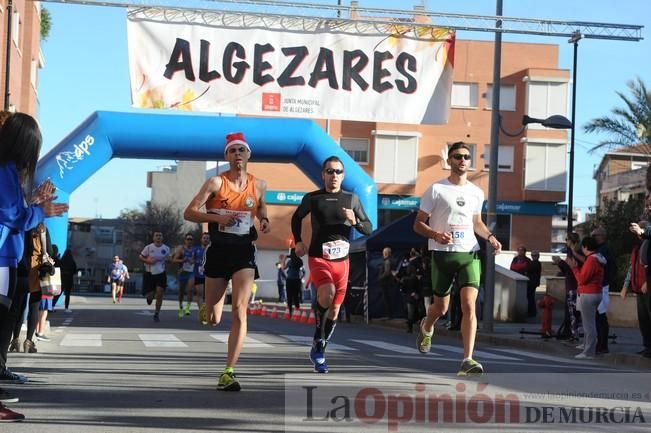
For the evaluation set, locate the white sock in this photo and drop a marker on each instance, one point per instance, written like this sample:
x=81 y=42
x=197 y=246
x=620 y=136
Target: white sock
x=467 y=359
x=429 y=334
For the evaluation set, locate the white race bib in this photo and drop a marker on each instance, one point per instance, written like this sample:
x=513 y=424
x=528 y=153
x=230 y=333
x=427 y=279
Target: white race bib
x=335 y=249
x=459 y=228
x=242 y=224
x=460 y=234
x=188 y=267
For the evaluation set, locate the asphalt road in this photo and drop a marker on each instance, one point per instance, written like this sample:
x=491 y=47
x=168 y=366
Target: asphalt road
x=110 y=368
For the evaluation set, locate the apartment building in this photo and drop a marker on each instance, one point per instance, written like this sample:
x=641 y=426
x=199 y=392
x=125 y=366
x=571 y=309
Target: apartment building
x=25 y=57
x=622 y=173
x=405 y=159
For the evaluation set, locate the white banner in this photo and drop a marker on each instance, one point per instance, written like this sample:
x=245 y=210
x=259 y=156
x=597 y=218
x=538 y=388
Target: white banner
x=276 y=69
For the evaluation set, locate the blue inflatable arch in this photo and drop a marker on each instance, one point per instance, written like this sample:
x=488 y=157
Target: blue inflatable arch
x=106 y=135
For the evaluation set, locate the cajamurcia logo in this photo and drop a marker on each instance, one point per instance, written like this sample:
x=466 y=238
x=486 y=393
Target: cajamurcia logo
x=461 y=201
x=67 y=160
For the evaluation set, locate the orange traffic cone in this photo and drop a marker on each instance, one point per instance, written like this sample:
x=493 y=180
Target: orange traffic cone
x=263 y=311
x=304 y=317
x=274 y=313
x=249 y=312
x=286 y=316
x=312 y=319
x=296 y=316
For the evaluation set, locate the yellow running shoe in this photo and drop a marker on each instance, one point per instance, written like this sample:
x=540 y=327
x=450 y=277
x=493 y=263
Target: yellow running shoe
x=423 y=340
x=228 y=382
x=203 y=317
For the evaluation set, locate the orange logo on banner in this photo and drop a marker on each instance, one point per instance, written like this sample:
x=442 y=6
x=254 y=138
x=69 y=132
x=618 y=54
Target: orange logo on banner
x=271 y=102
x=290 y=242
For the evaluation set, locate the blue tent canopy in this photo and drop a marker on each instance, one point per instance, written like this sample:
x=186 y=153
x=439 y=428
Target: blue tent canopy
x=398 y=235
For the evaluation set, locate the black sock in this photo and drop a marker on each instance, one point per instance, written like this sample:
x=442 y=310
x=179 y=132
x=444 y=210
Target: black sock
x=329 y=329
x=320 y=321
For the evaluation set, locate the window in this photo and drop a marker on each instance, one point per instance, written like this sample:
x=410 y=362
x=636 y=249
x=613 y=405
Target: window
x=104 y=235
x=507 y=97
x=473 y=156
x=546 y=99
x=464 y=95
x=504 y=158
x=636 y=165
x=357 y=148
x=15 y=29
x=33 y=73
x=396 y=158
x=545 y=166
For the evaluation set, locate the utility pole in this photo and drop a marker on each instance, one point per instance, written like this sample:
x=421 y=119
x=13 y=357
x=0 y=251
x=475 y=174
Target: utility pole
x=576 y=36
x=491 y=214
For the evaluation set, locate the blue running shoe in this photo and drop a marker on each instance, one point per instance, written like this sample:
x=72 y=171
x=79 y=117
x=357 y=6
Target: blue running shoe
x=321 y=368
x=317 y=354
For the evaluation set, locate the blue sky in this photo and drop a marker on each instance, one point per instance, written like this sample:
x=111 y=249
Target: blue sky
x=86 y=69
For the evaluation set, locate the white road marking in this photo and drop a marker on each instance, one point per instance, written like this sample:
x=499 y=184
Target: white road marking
x=249 y=342
x=393 y=347
x=307 y=341
x=161 y=340
x=82 y=340
x=479 y=353
x=546 y=357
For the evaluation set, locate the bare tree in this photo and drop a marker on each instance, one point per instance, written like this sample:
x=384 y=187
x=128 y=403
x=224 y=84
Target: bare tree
x=139 y=225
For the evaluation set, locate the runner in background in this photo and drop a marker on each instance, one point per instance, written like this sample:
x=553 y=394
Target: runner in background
x=155 y=256
x=185 y=257
x=199 y=277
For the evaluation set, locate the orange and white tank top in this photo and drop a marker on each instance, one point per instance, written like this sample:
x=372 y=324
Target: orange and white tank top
x=243 y=205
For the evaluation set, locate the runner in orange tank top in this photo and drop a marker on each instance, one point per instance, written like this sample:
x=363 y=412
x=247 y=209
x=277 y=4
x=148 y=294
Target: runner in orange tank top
x=233 y=200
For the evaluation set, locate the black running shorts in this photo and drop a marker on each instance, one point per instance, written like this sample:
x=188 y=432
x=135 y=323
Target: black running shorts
x=222 y=261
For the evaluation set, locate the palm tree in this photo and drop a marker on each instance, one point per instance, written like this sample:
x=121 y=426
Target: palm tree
x=627 y=126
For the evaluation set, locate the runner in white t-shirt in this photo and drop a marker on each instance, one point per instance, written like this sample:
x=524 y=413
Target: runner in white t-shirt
x=453 y=207
x=154 y=256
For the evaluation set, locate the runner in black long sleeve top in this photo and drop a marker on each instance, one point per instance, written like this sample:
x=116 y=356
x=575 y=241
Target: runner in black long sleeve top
x=328 y=220
x=333 y=214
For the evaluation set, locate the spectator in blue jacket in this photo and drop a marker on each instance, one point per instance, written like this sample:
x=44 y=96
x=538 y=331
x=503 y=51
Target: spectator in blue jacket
x=20 y=144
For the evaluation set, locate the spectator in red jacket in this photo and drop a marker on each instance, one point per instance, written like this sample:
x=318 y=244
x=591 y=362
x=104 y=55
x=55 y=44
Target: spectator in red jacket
x=589 y=278
x=521 y=262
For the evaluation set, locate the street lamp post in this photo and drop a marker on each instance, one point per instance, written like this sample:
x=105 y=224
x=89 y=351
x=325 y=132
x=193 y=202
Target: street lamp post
x=576 y=36
x=556 y=122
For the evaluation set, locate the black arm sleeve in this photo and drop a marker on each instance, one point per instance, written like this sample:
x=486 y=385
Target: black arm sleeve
x=297 y=219
x=363 y=224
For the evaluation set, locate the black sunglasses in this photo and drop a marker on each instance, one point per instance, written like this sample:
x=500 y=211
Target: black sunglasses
x=189 y=239
x=332 y=171
x=460 y=156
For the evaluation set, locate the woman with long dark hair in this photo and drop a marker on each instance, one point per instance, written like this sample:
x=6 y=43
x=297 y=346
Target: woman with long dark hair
x=21 y=208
